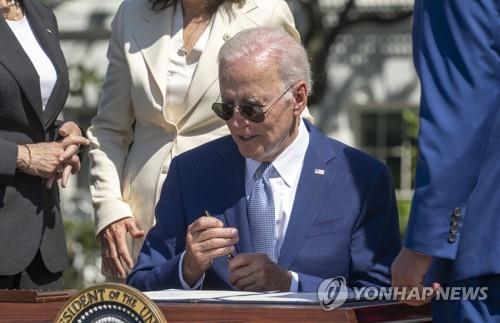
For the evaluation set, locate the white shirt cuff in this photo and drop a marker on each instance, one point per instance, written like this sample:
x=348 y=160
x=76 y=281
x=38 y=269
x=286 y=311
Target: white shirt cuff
x=185 y=285
x=294 y=285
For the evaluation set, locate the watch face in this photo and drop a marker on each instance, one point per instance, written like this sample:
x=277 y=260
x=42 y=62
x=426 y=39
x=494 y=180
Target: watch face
x=110 y=303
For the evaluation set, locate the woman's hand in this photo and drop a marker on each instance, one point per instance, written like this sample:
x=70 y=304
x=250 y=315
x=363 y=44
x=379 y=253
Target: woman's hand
x=72 y=163
x=44 y=159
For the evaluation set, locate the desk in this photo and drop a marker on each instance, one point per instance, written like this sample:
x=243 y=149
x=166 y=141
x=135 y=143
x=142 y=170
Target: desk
x=204 y=312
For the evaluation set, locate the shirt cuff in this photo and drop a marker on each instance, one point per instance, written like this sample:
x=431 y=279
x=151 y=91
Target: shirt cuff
x=185 y=285
x=294 y=285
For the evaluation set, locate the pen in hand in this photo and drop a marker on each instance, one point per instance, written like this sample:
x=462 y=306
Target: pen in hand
x=230 y=255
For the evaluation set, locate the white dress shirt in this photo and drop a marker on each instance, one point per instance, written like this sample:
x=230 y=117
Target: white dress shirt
x=181 y=68
x=42 y=63
x=284 y=180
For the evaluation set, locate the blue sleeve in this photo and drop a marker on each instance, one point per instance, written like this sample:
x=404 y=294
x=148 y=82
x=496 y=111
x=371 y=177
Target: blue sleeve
x=456 y=50
x=376 y=240
x=157 y=265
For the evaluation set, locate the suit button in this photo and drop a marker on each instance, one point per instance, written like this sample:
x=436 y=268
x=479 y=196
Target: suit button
x=457 y=212
x=452 y=237
x=454 y=229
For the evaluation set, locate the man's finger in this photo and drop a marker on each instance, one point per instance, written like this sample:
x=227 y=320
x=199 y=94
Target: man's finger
x=216 y=243
x=221 y=252
x=244 y=282
x=241 y=260
x=211 y=233
x=204 y=223
x=242 y=272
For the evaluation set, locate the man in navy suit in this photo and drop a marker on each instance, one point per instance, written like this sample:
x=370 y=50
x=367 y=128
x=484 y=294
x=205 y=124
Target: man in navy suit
x=454 y=227
x=289 y=205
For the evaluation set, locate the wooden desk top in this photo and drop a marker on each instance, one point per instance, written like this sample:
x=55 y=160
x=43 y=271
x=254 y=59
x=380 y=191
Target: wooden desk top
x=204 y=312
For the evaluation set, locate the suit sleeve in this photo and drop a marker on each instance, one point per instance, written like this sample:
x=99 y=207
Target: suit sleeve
x=8 y=161
x=375 y=239
x=157 y=266
x=111 y=133
x=456 y=52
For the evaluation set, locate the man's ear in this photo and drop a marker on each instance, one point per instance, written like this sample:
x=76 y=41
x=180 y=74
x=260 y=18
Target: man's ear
x=300 y=98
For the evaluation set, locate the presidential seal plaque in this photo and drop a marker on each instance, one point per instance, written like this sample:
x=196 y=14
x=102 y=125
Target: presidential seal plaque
x=110 y=303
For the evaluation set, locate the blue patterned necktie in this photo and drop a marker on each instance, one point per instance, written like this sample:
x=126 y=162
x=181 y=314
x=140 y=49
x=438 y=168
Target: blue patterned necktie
x=260 y=209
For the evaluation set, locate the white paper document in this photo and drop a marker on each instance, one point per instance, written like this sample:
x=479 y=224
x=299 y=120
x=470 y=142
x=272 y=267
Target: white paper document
x=172 y=295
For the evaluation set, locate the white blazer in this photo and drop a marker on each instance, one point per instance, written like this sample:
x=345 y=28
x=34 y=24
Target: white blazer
x=132 y=140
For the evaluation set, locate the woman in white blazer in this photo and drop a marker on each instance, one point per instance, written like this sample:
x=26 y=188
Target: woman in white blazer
x=156 y=103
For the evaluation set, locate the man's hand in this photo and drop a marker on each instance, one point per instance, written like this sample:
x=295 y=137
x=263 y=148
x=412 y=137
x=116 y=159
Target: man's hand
x=408 y=271
x=206 y=239
x=114 y=249
x=256 y=272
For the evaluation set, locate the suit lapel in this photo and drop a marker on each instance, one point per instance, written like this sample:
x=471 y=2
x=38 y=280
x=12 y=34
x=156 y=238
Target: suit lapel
x=228 y=21
x=311 y=191
x=233 y=182
x=47 y=37
x=15 y=60
x=153 y=40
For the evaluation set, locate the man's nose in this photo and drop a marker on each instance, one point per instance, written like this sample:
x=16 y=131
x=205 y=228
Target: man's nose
x=237 y=120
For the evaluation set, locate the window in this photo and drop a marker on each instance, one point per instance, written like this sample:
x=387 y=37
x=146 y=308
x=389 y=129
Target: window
x=388 y=136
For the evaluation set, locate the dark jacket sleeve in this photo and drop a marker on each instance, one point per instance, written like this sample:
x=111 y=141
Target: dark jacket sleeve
x=8 y=161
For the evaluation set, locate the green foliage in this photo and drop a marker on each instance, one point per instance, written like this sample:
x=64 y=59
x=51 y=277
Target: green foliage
x=83 y=253
x=404 y=213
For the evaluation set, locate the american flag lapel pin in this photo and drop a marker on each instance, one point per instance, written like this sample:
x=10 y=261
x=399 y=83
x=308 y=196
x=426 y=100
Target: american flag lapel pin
x=318 y=171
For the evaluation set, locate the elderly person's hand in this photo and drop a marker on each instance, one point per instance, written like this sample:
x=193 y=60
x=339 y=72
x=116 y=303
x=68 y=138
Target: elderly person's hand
x=206 y=239
x=44 y=159
x=408 y=270
x=116 y=258
x=70 y=158
x=256 y=272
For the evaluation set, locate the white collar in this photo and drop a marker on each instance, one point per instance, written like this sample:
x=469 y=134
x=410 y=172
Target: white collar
x=288 y=164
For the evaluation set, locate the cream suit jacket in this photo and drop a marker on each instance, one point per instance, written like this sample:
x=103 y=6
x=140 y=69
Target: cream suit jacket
x=132 y=139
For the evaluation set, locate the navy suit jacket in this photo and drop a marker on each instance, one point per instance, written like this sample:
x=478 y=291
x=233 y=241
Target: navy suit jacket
x=456 y=207
x=342 y=223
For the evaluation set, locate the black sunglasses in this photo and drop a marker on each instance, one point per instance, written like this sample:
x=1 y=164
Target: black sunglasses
x=254 y=113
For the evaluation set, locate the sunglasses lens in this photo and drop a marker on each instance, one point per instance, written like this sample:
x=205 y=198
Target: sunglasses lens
x=223 y=111
x=252 y=113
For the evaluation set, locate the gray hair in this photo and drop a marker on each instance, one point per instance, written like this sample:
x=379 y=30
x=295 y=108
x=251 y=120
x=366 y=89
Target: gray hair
x=264 y=44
